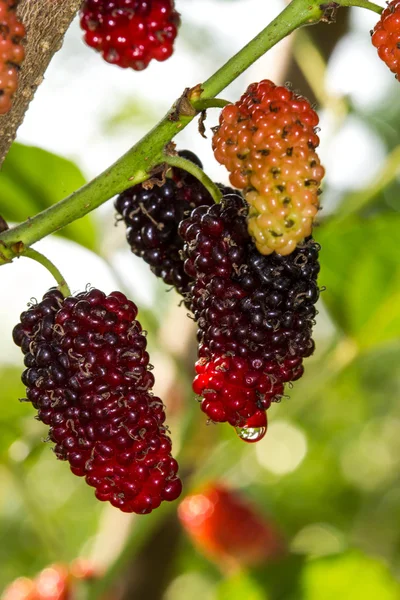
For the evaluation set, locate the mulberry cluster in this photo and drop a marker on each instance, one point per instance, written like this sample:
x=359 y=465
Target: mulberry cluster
x=386 y=37
x=255 y=313
x=12 y=53
x=89 y=377
x=152 y=217
x=130 y=33
x=267 y=141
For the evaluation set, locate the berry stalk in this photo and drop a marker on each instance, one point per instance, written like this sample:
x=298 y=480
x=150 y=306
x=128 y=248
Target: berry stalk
x=135 y=166
x=196 y=171
x=361 y=4
x=45 y=262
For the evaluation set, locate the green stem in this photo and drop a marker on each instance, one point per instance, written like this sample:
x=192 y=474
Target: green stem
x=204 y=104
x=362 y=4
x=45 y=262
x=196 y=171
x=295 y=15
x=135 y=166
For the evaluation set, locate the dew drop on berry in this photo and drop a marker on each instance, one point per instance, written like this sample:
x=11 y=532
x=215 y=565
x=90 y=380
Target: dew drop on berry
x=251 y=434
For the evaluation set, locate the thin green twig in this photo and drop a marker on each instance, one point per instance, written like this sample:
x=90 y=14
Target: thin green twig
x=45 y=262
x=196 y=171
x=204 y=104
x=362 y=4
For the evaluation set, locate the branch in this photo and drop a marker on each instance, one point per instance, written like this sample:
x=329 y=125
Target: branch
x=136 y=165
x=46 y=22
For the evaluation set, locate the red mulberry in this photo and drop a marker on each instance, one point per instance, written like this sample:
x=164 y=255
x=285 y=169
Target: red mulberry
x=229 y=529
x=267 y=141
x=12 y=53
x=386 y=36
x=130 y=33
x=89 y=377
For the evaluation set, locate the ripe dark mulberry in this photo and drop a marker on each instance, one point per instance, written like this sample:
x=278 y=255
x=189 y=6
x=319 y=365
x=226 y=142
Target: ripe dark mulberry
x=152 y=217
x=255 y=313
x=386 y=37
x=130 y=33
x=89 y=377
x=12 y=53
x=267 y=141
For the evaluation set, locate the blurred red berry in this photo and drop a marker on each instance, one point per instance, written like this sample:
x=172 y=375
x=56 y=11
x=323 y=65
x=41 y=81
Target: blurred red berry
x=53 y=583
x=83 y=568
x=228 y=528
x=20 y=589
x=386 y=36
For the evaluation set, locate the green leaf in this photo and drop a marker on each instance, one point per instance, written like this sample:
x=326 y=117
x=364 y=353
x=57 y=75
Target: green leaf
x=33 y=179
x=11 y=410
x=239 y=587
x=360 y=267
x=351 y=576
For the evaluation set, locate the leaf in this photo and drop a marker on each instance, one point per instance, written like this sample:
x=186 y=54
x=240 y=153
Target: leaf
x=239 y=587
x=351 y=576
x=33 y=179
x=360 y=267
x=11 y=410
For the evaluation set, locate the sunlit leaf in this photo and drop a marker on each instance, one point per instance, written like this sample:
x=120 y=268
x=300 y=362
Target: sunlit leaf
x=352 y=576
x=33 y=179
x=360 y=267
x=239 y=587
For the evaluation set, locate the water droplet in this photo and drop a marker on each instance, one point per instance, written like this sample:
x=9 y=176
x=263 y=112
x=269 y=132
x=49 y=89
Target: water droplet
x=251 y=434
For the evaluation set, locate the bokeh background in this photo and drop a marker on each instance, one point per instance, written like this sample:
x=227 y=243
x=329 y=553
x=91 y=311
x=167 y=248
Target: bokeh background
x=326 y=476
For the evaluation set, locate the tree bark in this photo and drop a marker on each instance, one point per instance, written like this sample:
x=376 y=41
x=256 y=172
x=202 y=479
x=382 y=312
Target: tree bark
x=46 y=22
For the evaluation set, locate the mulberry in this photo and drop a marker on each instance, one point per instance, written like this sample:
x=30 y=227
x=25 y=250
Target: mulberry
x=12 y=53
x=152 y=217
x=228 y=528
x=89 y=377
x=130 y=33
x=255 y=313
x=267 y=141
x=386 y=37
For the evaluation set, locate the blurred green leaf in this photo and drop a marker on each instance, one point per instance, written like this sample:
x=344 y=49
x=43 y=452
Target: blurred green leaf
x=360 y=267
x=239 y=587
x=11 y=410
x=33 y=179
x=351 y=576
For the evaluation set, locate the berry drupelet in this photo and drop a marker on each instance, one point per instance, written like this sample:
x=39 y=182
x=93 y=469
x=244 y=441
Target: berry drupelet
x=386 y=37
x=12 y=53
x=88 y=376
x=267 y=141
x=152 y=217
x=130 y=33
x=255 y=313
